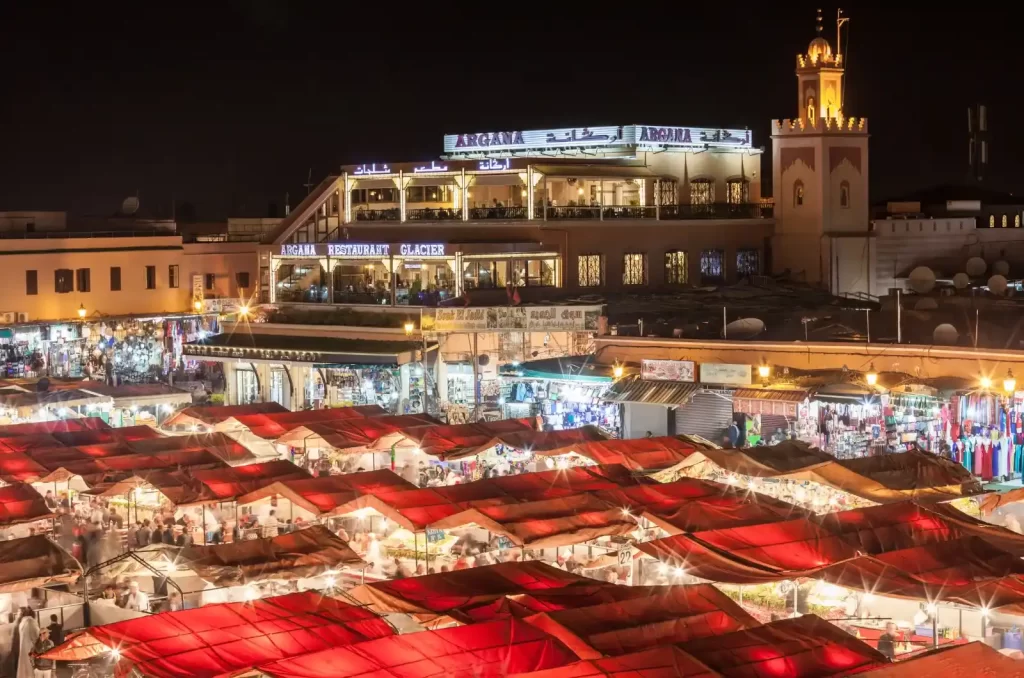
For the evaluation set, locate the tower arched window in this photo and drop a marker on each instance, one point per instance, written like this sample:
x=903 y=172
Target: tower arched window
x=1005 y=222
x=991 y=221
x=844 y=194
x=798 y=193
x=1016 y=221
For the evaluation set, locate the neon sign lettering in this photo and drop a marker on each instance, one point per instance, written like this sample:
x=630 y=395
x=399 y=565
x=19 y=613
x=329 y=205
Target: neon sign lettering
x=344 y=249
x=422 y=249
x=492 y=164
x=434 y=167
x=372 y=169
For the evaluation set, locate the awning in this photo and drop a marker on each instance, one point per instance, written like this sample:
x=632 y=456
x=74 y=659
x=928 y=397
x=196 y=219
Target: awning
x=278 y=348
x=776 y=394
x=142 y=395
x=596 y=171
x=33 y=562
x=583 y=368
x=636 y=390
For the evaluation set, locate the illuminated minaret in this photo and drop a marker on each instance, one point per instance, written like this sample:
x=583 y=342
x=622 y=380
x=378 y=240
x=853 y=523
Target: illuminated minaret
x=819 y=170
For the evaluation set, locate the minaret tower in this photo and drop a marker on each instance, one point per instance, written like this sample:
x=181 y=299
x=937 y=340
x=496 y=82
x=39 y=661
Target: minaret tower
x=819 y=168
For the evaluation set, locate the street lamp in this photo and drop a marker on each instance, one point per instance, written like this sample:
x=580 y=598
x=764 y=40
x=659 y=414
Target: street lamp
x=764 y=371
x=871 y=376
x=198 y=306
x=409 y=327
x=81 y=311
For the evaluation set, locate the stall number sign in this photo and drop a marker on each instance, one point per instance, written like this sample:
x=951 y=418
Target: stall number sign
x=667 y=370
x=434 y=536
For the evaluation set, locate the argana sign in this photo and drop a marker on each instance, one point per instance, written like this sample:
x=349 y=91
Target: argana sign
x=643 y=137
x=361 y=249
x=504 y=318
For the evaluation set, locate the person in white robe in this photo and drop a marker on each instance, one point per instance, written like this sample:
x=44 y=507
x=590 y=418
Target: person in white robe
x=28 y=632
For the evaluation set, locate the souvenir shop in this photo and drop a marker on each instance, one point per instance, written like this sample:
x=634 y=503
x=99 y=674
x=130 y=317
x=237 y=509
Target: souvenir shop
x=561 y=404
x=913 y=419
x=986 y=433
x=849 y=421
x=398 y=389
x=769 y=415
x=126 y=351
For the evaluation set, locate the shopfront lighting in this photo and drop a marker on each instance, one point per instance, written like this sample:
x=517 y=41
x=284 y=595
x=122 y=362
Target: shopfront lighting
x=871 y=376
x=81 y=311
x=409 y=327
x=764 y=371
x=579 y=191
x=985 y=382
x=931 y=608
x=523 y=193
x=198 y=306
x=618 y=371
x=244 y=311
x=1009 y=384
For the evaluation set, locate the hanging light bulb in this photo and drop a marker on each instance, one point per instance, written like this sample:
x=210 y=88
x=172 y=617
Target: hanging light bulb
x=81 y=311
x=986 y=383
x=1009 y=384
x=871 y=377
x=764 y=371
x=618 y=371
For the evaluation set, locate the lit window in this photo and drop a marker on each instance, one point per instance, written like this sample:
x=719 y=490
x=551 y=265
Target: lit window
x=991 y=221
x=737 y=191
x=702 y=192
x=675 y=267
x=748 y=262
x=798 y=194
x=1005 y=222
x=590 y=270
x=1016 y=221
x=844 y=194
x=634 y=269
x=712 y=265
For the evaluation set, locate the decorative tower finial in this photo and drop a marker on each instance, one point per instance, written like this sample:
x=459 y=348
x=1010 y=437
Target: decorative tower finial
x=817 y=26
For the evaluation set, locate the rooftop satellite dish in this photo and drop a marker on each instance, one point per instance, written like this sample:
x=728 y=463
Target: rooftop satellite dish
x=997 y=284
x=976 y=267
x=130 y=205
x=744 y=328
x=961 y=281
x=922 y=280
x=926 y=304
x=1001 y=268
x=945 y=334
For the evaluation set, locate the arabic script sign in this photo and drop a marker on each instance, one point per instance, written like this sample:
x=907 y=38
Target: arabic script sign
x=644 y=137
x=666 y=370
x=505 y=318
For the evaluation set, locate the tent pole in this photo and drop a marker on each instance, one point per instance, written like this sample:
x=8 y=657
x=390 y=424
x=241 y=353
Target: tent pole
x=415 y=551
x=935 y=627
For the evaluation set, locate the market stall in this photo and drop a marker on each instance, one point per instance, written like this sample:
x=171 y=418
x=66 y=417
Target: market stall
x=564 y=392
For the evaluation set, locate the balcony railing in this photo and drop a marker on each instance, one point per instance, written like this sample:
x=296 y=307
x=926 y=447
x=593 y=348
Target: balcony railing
x=510 y=212
x=389 y=214
x=629 y=212
x=574 y=213
x=433 y=214
x=718 y=210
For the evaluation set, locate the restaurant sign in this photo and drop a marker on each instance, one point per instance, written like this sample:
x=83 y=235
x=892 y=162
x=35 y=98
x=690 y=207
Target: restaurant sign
x=721 y=373
x=512 y=318
x=667 y=370
x=642 y=136
x=357 y=249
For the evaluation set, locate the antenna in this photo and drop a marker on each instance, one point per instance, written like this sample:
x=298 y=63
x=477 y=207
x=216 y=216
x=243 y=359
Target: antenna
x=977 y=143
x=309 y=181
x=840 y=20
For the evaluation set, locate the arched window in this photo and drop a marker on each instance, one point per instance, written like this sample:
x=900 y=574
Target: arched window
x=991 y=221
x=798 y=193
x=702 y=192
x=737 y=191
x=1006 y=221
x=1016 y=221
x=844 y=194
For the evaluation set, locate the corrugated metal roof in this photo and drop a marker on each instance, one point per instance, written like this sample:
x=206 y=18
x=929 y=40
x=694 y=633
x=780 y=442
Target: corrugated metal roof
x=636 y=390
x=776 y=394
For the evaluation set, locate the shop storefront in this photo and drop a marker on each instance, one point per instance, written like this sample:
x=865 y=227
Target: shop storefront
x=312 y=372
x=563 y=392
x=850 y=421
x=914 y=417
x=116 y=351
x=770 y=415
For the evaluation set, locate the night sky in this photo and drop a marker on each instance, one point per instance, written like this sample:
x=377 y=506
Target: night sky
x=228 y=105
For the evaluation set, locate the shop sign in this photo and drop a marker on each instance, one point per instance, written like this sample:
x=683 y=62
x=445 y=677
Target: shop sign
x=567 y=137
x=299 y=249
x=667 y=370
x=522 y=318
x=722 y=373
x=347 y=249
x=692 y=136
x=422 y=249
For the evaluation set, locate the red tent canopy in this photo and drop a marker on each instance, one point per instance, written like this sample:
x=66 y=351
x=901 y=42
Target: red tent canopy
x=325 y=494
x=639 y=453
x=674 y=615
x=437 y=594
x=220 y=639
x=225 y=484
x=109 y=435
x=309 y=552
x=215 y=414
x=961 y=661
x=463 y=440
x=554 y=442
x=57 y=426
x=477 y=651
x=658 y=662
x=225 y=447
x=18 y=467
x=805 y=646
x=20 y=503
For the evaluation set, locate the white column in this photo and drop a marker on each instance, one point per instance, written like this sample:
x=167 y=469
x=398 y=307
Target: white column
x=401 y=195
x=465 y=196
x=346 y=191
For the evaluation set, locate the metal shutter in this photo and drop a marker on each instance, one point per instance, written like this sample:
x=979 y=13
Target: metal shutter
x=707 y=415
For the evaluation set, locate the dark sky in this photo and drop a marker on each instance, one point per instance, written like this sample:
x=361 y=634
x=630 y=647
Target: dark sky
x=228 y=105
